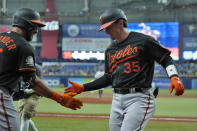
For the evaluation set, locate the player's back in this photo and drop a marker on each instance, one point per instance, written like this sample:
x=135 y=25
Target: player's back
x=10 y=44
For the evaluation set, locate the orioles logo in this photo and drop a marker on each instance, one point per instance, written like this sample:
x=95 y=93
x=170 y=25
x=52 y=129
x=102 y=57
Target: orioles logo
x=124 y=54
x=101 y=20
x=121 y=56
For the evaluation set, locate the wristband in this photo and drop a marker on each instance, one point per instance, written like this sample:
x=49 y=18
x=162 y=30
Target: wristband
x=171 y=71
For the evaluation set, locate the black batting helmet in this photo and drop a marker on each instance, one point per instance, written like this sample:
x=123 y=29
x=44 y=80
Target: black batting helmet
x=110 y=16
x=26 y=19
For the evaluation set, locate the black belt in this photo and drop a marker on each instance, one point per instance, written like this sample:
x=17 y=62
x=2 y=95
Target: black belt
x=127 y=90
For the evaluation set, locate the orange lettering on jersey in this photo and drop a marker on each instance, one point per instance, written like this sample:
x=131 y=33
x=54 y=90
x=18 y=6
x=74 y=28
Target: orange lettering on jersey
x=1 y=50
x=8 y=42
x=10 y=47
x=5 y=39
x=121 y=56
x=125 y=51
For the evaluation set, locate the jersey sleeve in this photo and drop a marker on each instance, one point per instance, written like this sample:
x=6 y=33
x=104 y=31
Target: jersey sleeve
x=156 y=50
x=26 y=59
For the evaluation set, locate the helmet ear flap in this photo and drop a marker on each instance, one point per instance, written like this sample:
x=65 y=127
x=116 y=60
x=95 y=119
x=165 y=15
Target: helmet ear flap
x=125 y=24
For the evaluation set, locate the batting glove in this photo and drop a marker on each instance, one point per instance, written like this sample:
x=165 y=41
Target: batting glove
x=75 y=88
x=177 y=84
x=67 y=101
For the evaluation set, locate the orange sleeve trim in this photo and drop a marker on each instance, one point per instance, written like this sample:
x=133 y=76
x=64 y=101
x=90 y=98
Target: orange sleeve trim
x=31 y=69
x=163 y=57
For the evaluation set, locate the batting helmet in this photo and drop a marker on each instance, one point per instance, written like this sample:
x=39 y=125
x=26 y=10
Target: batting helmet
x=110 y=16
x=26 y=19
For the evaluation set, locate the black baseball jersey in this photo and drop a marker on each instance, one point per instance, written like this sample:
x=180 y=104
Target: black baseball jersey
x=38 y=73
x=20 y=90
x=16 y=57
x=131 y=62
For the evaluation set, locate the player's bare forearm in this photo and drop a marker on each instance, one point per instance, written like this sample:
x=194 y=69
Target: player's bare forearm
x=41 y=88
x=65 y=100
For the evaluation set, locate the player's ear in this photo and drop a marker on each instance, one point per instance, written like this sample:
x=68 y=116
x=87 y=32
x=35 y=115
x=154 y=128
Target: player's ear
x=121 y=22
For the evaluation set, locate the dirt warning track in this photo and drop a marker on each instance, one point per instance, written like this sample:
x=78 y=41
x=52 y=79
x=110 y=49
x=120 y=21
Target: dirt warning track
x=91 y=116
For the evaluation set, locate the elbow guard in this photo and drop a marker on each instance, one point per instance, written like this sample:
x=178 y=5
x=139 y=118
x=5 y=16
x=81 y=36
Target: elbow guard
x=29 y=79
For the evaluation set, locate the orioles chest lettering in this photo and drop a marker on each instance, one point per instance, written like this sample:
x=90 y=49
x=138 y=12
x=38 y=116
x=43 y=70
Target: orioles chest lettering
x=121 y=56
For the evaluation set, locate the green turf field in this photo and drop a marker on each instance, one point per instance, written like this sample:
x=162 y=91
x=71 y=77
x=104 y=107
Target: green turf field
x=177 y=107
x=61 y=124
x=166 y=106
x=170 y=106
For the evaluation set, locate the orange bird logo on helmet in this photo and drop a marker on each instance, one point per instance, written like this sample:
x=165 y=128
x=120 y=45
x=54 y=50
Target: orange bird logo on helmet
x=101 y=20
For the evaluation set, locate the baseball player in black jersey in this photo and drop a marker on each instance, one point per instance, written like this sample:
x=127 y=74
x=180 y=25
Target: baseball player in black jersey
x=129 y=68
x=28 y=101
x=16 y=61
x=28 y=104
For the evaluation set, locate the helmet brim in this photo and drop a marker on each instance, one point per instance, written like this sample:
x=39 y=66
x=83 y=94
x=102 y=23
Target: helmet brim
x=39 y=23
x=106 y=25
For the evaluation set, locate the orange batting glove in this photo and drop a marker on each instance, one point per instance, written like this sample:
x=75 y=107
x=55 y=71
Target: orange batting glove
x=71 y=94
x=177 y=84
x=67 y=101
x=75 y=88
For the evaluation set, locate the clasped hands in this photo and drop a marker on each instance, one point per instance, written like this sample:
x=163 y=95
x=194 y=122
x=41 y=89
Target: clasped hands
x=67 y=99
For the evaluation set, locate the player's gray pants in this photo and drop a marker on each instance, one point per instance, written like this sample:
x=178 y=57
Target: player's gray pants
x=9 y=120
x=131 y=112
